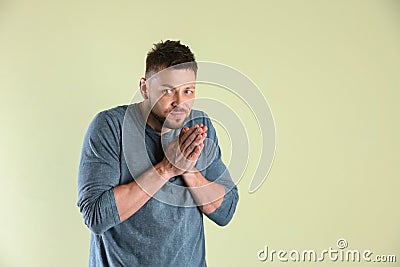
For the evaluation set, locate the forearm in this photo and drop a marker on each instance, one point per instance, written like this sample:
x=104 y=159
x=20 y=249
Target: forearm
x=208 y=195
x=131 y=197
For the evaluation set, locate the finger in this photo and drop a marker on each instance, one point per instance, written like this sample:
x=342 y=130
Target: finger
x=194 y=139
x=196 y=152
x=201 y=136
x=197 y=142
x=187 y=133
x=184 y=134
x=183 y=131
x=200 y=139
x=191 y=136
x=203 y=128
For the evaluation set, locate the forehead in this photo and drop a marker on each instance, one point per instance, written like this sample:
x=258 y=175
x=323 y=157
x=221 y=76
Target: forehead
x=172 y=77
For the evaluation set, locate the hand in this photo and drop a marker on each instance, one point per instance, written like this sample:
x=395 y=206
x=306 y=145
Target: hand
x=182 y=153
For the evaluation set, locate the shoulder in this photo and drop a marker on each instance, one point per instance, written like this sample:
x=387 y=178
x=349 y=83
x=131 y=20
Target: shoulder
x=108 y=121
x=113 y=115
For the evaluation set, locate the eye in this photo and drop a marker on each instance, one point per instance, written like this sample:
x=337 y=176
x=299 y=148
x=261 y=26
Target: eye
x=167 y=91
x=189 y=92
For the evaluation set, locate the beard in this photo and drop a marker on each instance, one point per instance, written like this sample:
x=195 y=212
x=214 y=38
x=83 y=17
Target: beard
x=169 y=122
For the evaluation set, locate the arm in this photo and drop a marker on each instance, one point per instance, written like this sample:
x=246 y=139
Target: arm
x=212 y=188
x=131 y=197
x=102 y=201
x=208 y=195
x=217 y=200
x=181 y=155
x=99 y=173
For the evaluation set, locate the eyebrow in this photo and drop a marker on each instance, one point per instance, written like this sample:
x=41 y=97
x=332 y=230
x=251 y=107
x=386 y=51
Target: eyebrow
x=173 y=87
x=166 y=85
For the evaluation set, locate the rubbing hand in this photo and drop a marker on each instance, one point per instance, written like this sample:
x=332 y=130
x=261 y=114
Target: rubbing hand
x=182 y=153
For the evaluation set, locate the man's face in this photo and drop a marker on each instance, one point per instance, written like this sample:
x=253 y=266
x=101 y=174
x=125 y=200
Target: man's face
x=171 y=96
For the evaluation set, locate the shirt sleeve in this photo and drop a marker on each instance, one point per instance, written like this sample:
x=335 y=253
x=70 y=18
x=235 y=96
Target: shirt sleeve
x=99 y=173
x=217 y=172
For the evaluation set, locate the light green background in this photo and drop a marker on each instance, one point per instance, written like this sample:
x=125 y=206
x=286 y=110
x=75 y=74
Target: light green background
x=329 y=69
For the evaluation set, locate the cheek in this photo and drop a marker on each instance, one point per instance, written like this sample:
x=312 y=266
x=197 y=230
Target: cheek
x=160 y=102
x=190 y=101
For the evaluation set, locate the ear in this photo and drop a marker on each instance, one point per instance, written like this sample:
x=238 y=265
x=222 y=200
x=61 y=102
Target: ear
x=143 y=88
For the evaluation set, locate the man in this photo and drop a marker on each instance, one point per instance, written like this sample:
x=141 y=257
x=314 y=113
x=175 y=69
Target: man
x=150 y=170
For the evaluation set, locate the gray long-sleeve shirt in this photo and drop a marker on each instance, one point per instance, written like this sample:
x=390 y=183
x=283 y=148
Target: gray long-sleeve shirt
x=168 y=229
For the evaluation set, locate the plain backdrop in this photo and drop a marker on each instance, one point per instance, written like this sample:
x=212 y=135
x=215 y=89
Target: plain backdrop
x=329 y=70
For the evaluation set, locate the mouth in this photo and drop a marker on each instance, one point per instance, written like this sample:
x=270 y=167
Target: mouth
x=178 y=114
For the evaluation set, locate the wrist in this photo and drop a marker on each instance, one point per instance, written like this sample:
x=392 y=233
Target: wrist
x=163 y=170
x=191 y=172
x=190 y=177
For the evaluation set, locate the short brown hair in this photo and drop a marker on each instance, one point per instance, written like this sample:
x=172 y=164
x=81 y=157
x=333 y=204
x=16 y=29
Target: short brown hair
x=169 y=53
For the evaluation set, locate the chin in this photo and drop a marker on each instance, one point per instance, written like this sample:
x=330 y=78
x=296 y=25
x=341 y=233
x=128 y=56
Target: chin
x=173 y=124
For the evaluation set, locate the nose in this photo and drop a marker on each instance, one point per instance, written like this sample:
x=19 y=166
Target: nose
x=178 y=98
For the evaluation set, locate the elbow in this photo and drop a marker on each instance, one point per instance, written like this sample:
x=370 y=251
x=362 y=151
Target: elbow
x=232 y=208
x=91 y=221
x=97 y=216
x=218 y=219
x=223 y=223
x=94 y=226
x=224 y=214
